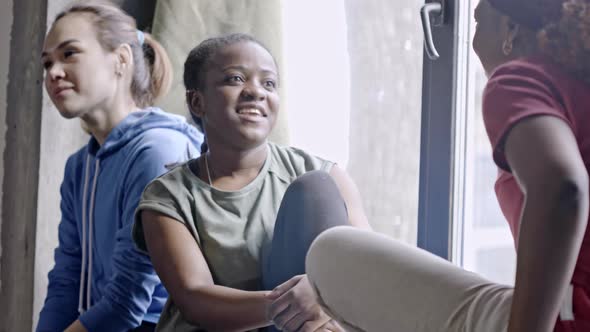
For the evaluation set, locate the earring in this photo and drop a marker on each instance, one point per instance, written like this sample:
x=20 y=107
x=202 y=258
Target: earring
x=507 y=47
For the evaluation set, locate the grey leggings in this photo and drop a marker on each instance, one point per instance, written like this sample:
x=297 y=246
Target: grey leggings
x=311 y=205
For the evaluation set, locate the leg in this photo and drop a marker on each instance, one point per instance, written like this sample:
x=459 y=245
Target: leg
x=370 y=282
x=311 y=204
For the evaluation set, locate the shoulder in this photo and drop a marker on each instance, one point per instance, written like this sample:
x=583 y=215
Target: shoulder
x=171 y=193
x=292 y=162
x=526 y=75
x=524 y=87
x=519 y=90
x=165 y=137
x=75 y=162
x=164 y=147
x=173 y=181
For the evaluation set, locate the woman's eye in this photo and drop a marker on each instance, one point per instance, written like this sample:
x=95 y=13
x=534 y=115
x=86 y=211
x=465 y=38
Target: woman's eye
x=46 y=65
x=69 y=53
x=235 y=78
x=270 y=84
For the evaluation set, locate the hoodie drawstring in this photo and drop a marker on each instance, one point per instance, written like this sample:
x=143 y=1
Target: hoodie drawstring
x=90 y=232
x=83 y=267
x=87 y=216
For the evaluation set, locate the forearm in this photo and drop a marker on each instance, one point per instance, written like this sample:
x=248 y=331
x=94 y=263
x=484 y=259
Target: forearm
x=76 y=327
x=218 y=308
x=551 y=232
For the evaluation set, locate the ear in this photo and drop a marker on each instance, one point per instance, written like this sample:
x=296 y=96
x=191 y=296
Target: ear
x=124 y=59
x=194 y=100
x=512 y=31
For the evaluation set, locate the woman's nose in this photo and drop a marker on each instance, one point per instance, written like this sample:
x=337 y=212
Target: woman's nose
x=55 y=72
x=253 y=91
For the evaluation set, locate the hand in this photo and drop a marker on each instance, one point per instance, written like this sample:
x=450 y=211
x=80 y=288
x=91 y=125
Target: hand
x=294 y=306
x=332 y=326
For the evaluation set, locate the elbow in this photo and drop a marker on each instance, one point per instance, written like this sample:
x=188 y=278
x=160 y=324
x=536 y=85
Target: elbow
x=570 y=199
x=194 y=315
x=190 y=307
x=198 y=312
x=564 y=198
x=203 y=322
x=573 y=198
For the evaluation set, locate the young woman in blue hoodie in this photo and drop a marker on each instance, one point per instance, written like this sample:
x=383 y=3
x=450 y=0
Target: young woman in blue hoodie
x=101 y=69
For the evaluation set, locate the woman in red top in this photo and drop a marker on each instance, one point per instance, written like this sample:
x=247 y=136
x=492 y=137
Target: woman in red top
x=537 y=114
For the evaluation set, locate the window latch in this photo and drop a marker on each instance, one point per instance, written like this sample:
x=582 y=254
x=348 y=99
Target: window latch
x=436 y=10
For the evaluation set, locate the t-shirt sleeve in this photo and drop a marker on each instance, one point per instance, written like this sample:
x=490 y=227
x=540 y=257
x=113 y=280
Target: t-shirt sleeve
x=312 y=162
x=516 y=91
x=163 y=196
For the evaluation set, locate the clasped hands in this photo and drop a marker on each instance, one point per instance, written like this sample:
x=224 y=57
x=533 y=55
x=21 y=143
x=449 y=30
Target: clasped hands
x=294 y=308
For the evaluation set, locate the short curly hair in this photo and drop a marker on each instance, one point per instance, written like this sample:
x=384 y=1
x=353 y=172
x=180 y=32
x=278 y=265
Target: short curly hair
x=567 y=40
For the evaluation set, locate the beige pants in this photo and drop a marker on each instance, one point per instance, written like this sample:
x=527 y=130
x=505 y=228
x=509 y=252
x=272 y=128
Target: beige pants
x=370 y=282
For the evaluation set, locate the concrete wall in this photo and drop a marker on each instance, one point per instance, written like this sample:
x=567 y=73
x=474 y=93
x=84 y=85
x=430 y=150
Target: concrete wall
x=5 y=30
x=21 y=122
x=59 y=139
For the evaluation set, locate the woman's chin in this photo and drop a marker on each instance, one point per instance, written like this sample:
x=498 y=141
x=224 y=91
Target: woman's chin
x=68 y=113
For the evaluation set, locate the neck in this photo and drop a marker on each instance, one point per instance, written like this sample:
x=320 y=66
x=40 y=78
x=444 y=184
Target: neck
x=101 y=121
x=230 y=162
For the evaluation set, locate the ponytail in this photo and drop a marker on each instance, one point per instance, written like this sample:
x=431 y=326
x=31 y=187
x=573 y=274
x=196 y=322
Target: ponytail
x=160 y=68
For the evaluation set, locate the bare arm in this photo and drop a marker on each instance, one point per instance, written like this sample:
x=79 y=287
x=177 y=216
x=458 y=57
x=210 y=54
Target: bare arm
x=184 y=272
x=76 y=327
x=352 y=198
x=543 y=155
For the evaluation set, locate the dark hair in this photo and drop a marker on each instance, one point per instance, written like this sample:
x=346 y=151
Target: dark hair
x=152 y=74
x=567 y=40
x=562 y=29
x=198 y=59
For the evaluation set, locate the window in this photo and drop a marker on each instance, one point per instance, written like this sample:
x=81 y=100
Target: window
x=354 y=75
x=487 y=244
x=460 y=218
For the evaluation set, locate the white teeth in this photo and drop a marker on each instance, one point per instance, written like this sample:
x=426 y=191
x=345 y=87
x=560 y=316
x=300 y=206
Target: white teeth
x=252 y=111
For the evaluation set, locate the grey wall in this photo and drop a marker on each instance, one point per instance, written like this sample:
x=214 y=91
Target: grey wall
x=20 y=161
x=59 y=139
x=5 y=29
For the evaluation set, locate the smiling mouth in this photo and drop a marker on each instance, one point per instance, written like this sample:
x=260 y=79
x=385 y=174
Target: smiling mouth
x=251 y=111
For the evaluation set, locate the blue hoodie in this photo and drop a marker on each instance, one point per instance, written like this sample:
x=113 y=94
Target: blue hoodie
x=99 y=276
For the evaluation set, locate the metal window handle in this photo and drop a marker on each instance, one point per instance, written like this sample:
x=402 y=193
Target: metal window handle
x=437 y=10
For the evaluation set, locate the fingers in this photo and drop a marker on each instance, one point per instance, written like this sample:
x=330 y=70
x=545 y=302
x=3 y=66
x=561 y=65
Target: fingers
x=284 y=287
x=281 y=320
x=314 y=325
x=332 y=326
x=295 y=323
x=279 y=311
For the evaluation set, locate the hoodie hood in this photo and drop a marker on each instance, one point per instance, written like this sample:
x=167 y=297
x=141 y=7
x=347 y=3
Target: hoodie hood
x=138 y=122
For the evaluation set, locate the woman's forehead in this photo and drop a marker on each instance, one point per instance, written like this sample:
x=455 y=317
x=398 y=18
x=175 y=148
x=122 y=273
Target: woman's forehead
x=70 y=27
x=246 y=54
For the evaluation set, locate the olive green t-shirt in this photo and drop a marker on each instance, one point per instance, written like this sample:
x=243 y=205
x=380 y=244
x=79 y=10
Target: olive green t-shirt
x=232 y=229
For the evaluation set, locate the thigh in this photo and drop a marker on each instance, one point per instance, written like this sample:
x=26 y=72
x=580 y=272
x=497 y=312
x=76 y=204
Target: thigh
x=371 y=282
